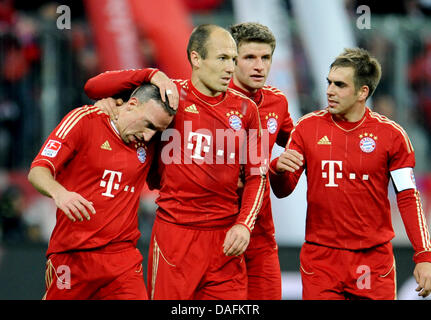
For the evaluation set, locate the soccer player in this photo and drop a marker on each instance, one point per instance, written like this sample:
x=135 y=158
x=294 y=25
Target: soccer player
x=94 y=169
x=350 y=153
x=200 y=233
x=256 y=45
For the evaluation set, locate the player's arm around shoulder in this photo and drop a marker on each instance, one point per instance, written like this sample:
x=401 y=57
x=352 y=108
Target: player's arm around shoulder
x=111 y=83
x=129 y=80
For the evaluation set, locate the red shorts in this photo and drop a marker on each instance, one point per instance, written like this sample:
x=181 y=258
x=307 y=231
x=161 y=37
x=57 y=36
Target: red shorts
x=334 y=274
x=263 y=269
x=111 y=273
x=189 y=264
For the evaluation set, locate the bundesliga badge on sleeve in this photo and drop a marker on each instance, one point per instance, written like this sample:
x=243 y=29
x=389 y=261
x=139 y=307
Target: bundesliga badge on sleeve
x=51 y=148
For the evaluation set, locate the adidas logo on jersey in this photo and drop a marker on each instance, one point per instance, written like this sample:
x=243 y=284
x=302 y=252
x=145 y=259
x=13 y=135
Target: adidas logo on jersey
x=324 y=140
x=106 y=146
x=192 y=108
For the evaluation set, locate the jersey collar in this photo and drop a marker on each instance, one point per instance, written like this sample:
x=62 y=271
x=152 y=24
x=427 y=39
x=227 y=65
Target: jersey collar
x=256 y=96
x=350 y=126
x=207 y=99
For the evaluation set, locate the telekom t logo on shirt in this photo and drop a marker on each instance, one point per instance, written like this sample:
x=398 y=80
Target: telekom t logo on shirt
x=111 y=182
x=331 y=174
x=200 y=138
x=332 y=170
x=215 y=146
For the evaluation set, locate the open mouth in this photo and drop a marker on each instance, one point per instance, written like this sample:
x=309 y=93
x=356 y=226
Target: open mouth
x=257 y=77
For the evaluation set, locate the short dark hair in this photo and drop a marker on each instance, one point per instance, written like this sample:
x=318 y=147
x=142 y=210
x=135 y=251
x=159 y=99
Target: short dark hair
x=148 y=91
x=252 y=32
x=198 y=40
x=367 y=70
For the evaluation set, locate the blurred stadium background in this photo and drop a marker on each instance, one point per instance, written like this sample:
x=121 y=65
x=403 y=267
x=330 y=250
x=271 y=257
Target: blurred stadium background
x=49 y=49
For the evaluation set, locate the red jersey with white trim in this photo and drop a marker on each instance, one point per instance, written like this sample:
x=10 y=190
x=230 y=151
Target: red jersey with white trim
x=276 y=127
x=86 y=155
x=348 y=169
x=199 y=164
x=199 y=182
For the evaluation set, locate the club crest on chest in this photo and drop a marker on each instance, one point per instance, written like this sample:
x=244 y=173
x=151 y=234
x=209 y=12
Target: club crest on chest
x=368 y=142
x=235 y=119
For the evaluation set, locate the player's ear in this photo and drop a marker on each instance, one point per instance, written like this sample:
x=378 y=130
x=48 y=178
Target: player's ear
x=363 y=93
x=195 y=59
x=133 y=102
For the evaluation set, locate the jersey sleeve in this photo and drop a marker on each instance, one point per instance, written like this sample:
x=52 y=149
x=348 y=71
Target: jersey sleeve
x=114 y=83
x=401 y=154
x=285 y=128
x=409 y=204
x=401 y=164
x=283 y=184
x=255 y=175
x=64 y=141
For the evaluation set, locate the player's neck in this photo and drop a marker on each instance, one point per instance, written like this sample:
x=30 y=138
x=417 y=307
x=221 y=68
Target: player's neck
x=203 y=89
x=354 y=114
x=253 y=94
x=207 y=98
x=237 y=85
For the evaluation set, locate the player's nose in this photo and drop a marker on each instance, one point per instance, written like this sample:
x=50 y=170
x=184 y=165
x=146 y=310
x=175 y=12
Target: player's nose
x=230 y=67
x=330 y=90
x=148 y=135
x=259 y=65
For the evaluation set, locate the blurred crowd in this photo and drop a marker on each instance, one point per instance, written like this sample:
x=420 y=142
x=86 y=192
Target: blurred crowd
x=23 y=34
x=24 y=215
x=22 y=62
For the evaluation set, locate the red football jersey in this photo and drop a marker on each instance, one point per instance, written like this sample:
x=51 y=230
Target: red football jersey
x=117 y=83
x=277 y=125
x=199 y=160
x=348 y=169
x=198 y=187
x=86 y=155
